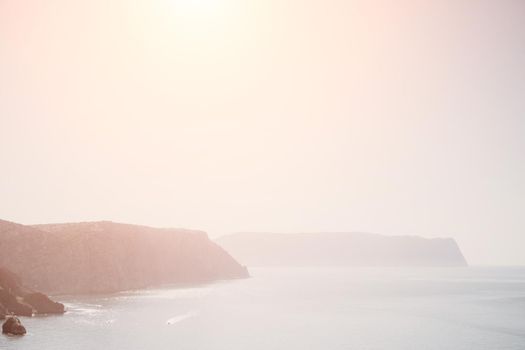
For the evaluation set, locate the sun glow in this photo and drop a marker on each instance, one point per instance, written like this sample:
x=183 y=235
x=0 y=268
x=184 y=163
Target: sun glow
x=198 y=17
x=198 y=8
x=197 y=4
x=190 y=30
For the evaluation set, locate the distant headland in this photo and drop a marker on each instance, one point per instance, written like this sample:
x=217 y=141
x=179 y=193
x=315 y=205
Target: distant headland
x=341 y=249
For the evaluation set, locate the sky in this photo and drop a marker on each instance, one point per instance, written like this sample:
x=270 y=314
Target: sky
x=403 y=117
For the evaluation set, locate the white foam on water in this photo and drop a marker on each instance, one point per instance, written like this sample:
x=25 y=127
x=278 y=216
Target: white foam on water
x=180 y=318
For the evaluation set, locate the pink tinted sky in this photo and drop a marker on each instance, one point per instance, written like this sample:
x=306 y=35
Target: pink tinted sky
x=230 y=115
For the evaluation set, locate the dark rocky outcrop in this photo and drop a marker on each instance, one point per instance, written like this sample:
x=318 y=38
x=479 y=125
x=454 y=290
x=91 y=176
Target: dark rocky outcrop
x=11 y=282
x=21 y=301
x=98 y=257
x=13 y=326
x=14 y=304
x=3 y=312
x=341 y=249
x=42 y=304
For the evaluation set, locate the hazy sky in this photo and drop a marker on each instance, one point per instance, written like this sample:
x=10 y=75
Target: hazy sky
x=403 y=117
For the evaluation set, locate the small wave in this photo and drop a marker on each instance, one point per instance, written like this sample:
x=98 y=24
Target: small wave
x=169 y=292
x=83 y=308
x=180 y=318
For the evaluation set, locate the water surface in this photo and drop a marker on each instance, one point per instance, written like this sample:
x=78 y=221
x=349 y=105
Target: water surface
x=299 y=308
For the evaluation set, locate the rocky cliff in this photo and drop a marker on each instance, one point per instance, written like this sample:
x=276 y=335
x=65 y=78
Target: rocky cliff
x=95 y=257
x=351 y=249
x=19 y=300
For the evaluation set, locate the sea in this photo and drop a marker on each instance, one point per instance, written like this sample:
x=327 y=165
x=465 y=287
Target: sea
x=329 y=308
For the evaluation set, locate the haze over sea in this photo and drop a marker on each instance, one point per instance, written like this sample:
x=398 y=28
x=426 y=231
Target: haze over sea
x=300 y=308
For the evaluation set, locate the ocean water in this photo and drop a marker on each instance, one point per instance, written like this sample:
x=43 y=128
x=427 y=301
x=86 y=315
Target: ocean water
x=299 y=308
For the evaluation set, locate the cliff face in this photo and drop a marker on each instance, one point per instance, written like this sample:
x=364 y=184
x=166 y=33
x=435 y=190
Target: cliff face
x=19 y=300
x=95 y=257
x=351 y=249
